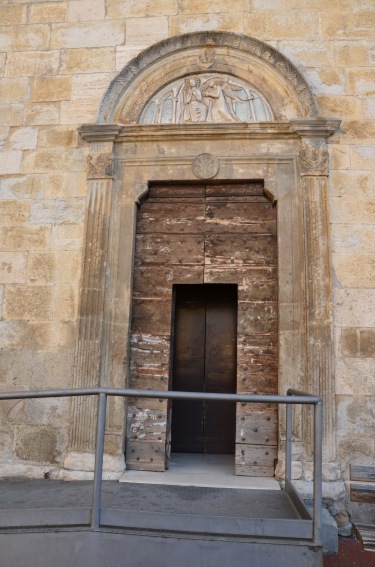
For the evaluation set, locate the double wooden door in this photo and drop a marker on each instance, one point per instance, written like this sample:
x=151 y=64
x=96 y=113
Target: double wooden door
x=204 y=360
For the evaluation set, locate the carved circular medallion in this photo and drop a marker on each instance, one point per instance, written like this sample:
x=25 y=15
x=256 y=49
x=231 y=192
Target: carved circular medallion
x=205 y=166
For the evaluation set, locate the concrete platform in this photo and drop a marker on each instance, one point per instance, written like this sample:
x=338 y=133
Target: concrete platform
x=44 y=522
x=197 y=469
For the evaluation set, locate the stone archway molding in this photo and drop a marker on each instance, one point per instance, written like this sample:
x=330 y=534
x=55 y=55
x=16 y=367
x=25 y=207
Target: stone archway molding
x=205 y=58
x=289 y=154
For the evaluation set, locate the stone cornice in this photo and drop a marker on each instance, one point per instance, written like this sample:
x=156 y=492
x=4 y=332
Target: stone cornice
x=315 y=128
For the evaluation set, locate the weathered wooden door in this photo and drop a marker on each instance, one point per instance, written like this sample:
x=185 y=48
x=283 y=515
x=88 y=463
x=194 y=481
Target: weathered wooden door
x=204 y=235
x=204 y=360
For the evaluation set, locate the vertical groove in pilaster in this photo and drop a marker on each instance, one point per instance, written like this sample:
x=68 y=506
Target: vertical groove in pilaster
x=319 y=306
x=90 y=325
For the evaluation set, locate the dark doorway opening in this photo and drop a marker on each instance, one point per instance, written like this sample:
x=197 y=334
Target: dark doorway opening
x=204 y=360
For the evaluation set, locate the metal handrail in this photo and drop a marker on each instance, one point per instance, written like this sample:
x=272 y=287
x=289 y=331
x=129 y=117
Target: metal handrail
x=293 y=397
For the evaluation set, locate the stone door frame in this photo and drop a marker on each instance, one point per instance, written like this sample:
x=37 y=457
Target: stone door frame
x=291 y=156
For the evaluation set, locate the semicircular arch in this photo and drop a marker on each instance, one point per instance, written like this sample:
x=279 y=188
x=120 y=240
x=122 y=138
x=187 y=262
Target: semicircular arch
x=244 y=57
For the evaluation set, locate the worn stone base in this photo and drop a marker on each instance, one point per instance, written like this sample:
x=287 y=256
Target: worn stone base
x=80 y=466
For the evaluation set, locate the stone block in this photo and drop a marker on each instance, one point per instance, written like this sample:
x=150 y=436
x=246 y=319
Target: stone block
x=356 y=416
x=12 y=267
x=352 y=238
x=349 y=107
x=92 y=34
x=10 y=162
x=87 y=60
x=24 y=38
x=351 y=184
x=48 y=410
x=133 y=8
x=327 y=81
x=91 y=86
x=14 y=89
x=14 y=212
x=56 y=211
x=46 y=89
x=145 y=31
x=28 y=302
x=13 y=15
x=362 y=157
x=369 y=107
x=68 y=236
x=36 y=443
x=357 y=131
x=59 y=136
x=69 y=160
x=355 y=270
x=210 y=6
x=42 y=368
x=339 y=156
x=42 y=113
x=348 y=24
x=352 y=211
x=24 y=237
x=308 y=53
x=355 y=450
x=360 y=81
x=352 y=54
x=191 y=23
x=292 y=24
x=66 y=302
x=37 y=335
x=124 y=54
x=23 y=139
x=32 y=63
x=86 y=10
x=357 y=342
x=61 y=267
x=79 y=111
x=354 y=307
x=355 y=376
x=25 y=187
x=2 y=62
x=11 y=114
x=48 y=12
x=65 y=185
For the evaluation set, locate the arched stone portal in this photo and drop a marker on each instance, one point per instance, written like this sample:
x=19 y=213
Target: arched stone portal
x=286 y=152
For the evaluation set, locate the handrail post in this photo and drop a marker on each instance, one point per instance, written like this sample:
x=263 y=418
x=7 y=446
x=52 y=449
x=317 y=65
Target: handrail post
x=98 y=471
x=318 y=455
x=288 y=442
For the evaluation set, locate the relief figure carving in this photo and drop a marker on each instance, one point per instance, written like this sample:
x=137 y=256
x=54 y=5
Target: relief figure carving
x=206 y=98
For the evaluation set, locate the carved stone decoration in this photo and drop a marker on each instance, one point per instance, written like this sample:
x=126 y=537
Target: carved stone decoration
x=209 y=98
x=100 y=166
x=177 y=44
x=207 y=59
x=314 y=158
x=205 y=166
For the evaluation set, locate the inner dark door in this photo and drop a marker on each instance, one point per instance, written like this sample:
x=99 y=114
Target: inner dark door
x=204 y=360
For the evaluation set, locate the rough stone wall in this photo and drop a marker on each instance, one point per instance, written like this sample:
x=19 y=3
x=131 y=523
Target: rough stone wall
x=56 y=60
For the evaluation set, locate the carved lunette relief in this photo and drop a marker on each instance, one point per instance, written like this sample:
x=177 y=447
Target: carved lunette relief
x=205 y=98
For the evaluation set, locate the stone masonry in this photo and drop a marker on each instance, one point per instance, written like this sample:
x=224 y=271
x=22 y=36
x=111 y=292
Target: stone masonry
x=57 y=59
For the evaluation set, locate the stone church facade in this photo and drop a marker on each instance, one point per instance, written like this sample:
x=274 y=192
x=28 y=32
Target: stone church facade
x=149 y=148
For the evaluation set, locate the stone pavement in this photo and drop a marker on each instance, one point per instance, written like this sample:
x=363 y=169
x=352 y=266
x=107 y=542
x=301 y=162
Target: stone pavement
x=351 y=554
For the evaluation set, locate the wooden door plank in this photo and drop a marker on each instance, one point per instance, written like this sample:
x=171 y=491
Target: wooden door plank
x=362 y=473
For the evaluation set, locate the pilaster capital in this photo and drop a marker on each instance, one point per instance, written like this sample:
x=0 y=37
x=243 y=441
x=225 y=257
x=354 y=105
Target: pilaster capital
x=315 y=128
